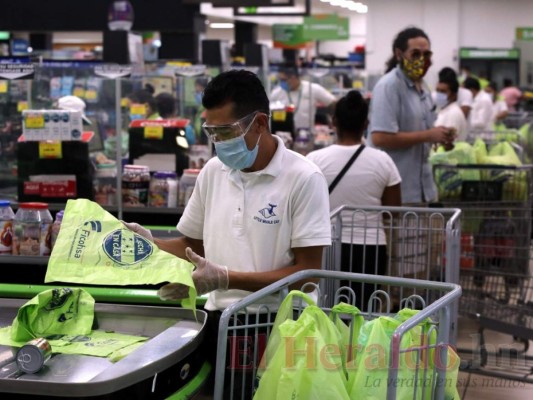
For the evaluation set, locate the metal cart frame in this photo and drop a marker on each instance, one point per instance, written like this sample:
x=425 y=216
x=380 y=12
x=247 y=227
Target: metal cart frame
x=444 y=295
x=497 y=281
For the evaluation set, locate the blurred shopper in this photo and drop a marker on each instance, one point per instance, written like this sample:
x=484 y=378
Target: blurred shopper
x=450 y=114
x=464 y=96
x=511 y=94
x=372 y=179
x=166 y=108
x=303 y=95
x=403 y=115
x=499 y=106
x=481 y=115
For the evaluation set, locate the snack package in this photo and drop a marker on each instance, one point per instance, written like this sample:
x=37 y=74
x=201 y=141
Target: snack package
x=93 y=247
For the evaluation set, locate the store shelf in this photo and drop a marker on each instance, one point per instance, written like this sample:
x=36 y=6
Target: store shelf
x=24 y=260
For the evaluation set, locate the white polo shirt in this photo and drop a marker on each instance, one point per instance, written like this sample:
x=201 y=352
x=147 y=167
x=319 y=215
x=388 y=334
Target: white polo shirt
x=305 y=100
x=250 y=222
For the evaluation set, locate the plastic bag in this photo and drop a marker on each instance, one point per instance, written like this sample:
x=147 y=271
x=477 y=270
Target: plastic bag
x=93 y=247
x=303 y=357
x=370 y=380
x=349 y=334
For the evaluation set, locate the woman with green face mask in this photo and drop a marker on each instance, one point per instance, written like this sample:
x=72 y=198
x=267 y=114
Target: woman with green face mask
x=403 y=114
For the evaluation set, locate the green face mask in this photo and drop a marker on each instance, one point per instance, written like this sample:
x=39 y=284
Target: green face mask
x=414 y=69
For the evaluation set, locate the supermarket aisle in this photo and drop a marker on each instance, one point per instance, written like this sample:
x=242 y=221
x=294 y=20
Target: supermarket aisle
x=473 y=386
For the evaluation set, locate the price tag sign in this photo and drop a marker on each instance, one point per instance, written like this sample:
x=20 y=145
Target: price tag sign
x=79 y=92
x=50 y=150
x=34 y=121
x=3 y=86
x=22 y=105
x=279 y=115
x=138 y=109
x=91 y=94
x=153 y=132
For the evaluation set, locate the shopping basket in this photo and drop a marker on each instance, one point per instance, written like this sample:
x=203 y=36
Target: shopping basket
x=495 y=272
x=421 y=243
x=251 y=319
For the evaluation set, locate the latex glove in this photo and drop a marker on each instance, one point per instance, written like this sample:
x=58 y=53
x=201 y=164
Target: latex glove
x=139 y=230
x=207 y=276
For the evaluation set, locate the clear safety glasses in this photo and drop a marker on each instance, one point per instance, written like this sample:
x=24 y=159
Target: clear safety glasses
x=220 y=133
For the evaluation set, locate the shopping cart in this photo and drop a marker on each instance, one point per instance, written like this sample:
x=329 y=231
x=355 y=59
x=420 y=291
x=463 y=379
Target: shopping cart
x=495 y=261
x=251 y=319
x=421 y=243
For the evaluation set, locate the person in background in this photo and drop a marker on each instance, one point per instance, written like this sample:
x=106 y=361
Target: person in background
x=303 y=95
x=450 y=114
x=464 y=96
x=372 y=180
x=481 y=115
x=166 y=108
x=403 y=114
x=511 y=94
x=499 y=106
x=145 y=97
x=199 y=116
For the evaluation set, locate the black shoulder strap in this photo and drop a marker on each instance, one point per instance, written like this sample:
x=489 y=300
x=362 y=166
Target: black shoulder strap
x=346 y=167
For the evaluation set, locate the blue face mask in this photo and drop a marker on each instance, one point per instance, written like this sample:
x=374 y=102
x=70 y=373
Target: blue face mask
x=441 y=100
x=235 y=154
x=284 y=85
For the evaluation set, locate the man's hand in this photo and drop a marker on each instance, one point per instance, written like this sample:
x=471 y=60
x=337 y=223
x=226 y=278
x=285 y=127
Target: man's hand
x=139 y=230
x=207 y=277
x=441 y=134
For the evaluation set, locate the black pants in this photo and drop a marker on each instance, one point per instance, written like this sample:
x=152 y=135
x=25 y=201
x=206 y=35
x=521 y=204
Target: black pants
x=363 y=259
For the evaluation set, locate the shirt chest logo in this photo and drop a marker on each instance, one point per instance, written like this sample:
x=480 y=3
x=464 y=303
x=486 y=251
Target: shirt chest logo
x=268 y=215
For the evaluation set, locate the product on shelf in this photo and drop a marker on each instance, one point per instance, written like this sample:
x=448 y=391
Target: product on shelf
x=135 y=185
x=6 y=227
x=187 y=182
x=164 y=189
x=56 y=226
x=105 y=184
x=33 y=230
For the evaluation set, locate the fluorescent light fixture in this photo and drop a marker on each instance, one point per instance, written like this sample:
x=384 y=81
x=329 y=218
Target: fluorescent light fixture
x=221 y=25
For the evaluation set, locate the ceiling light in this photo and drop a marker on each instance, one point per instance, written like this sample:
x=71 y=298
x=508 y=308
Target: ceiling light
x=221 y=25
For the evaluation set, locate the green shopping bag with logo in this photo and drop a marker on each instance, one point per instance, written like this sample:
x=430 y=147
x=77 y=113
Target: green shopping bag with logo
x=93 y=247
x=303 y=357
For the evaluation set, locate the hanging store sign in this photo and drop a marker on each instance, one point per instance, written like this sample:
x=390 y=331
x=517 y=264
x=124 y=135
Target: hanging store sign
x=511 y=54
x=288 y=36
x=16 y=71
x=326 y=27
x=190 y=70
x=524 y=34
x=113 y=71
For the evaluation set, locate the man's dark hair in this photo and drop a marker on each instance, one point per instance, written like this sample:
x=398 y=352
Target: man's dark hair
x=507 y=82
x=166 y=105
x=240 y=87
x=472 y=83
x=289 y=70
x=144 y=97
x=493 y=85
x=447 y=73
x=452 y=83
x=351 y=114
x=400 y=42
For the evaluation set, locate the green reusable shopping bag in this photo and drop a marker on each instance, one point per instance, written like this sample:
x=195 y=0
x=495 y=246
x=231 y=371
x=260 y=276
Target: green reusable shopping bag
x=93 y=247
x=52 y=312
x=349 y=334
x=419 y=334
x=307 y=362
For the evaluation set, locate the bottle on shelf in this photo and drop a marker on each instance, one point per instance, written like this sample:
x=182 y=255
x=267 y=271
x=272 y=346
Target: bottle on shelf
x=6 y=227
x=163 y=189
x=33 y=230
x=56 y=226
x=135 y=185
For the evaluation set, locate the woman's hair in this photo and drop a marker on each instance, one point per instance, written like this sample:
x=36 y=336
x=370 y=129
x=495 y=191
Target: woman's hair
x=351 y=114
x=400 y=42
